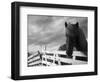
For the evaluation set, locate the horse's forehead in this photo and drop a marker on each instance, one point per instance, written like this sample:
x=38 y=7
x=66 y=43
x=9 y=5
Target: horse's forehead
x=71 y=30
x=71 y=26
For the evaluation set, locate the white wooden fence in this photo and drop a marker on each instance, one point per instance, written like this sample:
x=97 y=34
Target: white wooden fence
x=54 y=58
x=34 y=59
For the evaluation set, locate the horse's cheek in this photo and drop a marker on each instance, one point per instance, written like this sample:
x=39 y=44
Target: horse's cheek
x=67 y=32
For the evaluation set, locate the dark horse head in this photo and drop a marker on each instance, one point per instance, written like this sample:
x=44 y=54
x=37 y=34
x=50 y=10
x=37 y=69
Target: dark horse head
x=75 y=38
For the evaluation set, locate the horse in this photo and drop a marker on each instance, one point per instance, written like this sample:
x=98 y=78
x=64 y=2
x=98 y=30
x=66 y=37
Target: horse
x=75 y=38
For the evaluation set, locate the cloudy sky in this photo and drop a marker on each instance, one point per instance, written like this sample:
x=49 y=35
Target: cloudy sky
x=50 y=31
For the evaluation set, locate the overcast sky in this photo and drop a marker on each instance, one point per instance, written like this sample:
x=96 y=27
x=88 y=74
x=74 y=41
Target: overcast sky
x=50 y=31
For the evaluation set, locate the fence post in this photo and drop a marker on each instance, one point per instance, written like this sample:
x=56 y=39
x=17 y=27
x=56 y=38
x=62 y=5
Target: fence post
x=54 y=58
x=74 y=57
x=58 y=60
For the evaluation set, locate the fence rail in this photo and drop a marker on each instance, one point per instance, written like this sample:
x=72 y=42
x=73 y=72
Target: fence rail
x=54 y=58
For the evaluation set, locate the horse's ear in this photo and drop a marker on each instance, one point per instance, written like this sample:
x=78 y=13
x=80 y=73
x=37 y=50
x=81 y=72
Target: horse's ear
x=65 y=24
x=77 y=24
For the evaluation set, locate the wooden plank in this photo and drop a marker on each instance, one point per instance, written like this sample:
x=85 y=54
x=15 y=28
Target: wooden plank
x=66 y=60
x=54 y=52
x=75 y=53
x=38 y=57
x=48 y=63
x=78 y=53
x=64 y=63
x=36 y=62
x=33 y=55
